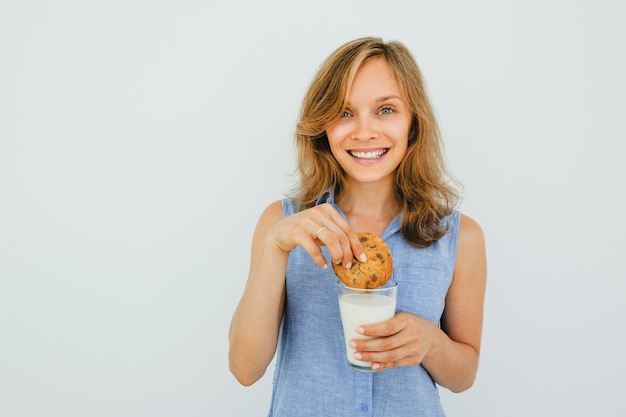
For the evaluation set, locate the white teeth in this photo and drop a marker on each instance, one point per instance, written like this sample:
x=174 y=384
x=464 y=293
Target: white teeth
x=368 y=155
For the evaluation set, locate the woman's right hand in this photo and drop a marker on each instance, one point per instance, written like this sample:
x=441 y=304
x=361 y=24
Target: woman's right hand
x=318 y=226
x=255 y=325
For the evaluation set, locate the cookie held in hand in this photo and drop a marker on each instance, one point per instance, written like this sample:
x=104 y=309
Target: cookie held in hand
x=372 y=273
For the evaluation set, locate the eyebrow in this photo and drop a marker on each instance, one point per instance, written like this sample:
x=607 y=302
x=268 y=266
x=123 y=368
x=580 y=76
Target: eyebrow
x=382 y=99
x=385 y=98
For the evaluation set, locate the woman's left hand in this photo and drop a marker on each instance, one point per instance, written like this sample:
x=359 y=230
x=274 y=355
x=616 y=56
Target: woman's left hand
x=402 y=341
x=449 y=353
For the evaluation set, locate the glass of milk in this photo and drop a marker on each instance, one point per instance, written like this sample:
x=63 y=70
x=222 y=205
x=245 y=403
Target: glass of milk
x=361 y=306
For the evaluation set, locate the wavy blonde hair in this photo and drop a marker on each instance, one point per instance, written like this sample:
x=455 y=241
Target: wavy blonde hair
x=424 y=190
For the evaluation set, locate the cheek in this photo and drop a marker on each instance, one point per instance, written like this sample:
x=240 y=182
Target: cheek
x=335 y=136
x=403 y=132
x=400 y=134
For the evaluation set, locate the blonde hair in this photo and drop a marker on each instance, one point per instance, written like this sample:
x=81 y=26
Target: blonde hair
x=423 y=188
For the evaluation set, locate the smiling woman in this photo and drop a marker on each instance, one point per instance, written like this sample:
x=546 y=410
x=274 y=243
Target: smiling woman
x=369 y=140
x=369 y=161
x=388 y=76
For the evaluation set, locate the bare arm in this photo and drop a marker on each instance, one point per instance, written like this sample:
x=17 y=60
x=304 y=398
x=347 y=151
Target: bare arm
x=449 y=354
x=255 y=324
x=453 y=361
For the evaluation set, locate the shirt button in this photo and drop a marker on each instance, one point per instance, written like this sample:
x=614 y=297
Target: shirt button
x=363 y=408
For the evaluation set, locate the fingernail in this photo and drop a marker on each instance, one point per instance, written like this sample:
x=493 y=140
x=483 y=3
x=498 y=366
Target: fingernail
x=349 y=265
x=357 y=355
x=362 y=257
x=352 y=344
x=375 y=365
x=360 y=330
x=325 y=266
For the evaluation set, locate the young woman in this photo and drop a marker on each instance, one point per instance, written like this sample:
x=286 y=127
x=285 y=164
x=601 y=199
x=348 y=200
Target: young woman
x=370 y=160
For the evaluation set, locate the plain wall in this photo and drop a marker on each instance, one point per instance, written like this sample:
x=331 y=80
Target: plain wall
x=140 y=141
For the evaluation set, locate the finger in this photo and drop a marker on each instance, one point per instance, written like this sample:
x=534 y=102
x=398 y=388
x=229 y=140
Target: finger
x=350 y=245
x=305 y=238
x=402 y=356
x=412 y=360
x=320 y=230
x=337 y=244
x=334 y=233
x=314 y=251
x=357 y=247
x=383 y=329
x=381 y=344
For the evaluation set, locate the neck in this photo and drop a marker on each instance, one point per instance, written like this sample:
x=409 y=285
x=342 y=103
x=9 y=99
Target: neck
x=369 y=207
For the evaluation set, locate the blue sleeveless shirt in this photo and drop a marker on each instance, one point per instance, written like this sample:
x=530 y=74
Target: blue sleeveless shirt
x=311 y=376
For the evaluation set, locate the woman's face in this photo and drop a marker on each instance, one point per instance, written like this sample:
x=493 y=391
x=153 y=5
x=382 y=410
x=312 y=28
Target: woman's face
x=371 y=137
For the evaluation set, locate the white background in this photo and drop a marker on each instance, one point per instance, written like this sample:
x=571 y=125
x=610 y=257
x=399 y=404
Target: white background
x=140 y=140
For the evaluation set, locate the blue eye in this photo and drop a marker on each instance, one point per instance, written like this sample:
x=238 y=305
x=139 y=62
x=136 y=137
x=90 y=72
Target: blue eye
x=386 y=110
x=345 y=113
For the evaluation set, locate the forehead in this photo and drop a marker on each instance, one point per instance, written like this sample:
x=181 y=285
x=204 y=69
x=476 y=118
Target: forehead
x=374 y=77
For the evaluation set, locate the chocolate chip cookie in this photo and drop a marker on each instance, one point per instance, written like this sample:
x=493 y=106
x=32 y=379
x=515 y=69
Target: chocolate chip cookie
x=372 y=273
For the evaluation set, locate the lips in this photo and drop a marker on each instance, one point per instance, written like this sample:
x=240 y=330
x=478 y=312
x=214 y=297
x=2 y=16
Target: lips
x=373 y=154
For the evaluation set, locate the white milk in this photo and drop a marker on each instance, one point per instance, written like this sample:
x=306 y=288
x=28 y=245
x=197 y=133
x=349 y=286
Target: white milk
x=359 y=309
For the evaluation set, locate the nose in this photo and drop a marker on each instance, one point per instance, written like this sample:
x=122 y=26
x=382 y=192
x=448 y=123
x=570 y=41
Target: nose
x=365 y=128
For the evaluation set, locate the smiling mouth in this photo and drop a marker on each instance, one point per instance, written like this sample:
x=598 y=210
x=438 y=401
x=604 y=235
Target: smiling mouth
x=368 y=155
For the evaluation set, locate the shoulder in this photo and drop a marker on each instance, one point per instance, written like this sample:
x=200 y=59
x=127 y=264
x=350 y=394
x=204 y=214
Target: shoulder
x=469 y=229
x=471 y=244
x=273 y=213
